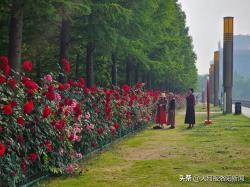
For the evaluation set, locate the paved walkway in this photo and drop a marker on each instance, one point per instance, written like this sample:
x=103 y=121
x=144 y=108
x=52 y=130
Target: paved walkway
x=246 y=111
x=201 y=113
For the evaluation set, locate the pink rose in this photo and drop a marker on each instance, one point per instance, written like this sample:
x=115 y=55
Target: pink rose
x=61 y=152
x=48 y=78
x=58 y=97
x=90 y=126
x=77 y=130
x=87 y=116
x=70 y=168
x=79 y=155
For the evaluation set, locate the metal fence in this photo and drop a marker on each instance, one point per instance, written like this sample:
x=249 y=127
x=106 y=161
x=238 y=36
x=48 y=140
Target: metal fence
x=123 y=133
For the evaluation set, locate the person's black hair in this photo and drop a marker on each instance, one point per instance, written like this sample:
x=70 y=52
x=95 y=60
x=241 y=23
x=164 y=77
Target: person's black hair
x=192 y=90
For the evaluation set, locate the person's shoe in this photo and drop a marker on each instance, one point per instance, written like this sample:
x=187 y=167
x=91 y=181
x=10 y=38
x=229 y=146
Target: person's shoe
x=189 y=127
x=157 y=127
x=172 y=127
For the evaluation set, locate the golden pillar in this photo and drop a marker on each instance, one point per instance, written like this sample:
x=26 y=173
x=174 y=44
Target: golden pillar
x=228 y=63
x=216 y=78
x=211 y=79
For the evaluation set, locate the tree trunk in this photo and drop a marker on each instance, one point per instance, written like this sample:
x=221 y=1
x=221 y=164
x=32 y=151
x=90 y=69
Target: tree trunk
x=144 y=77
x=114 y=70
x=64 y=39
x=15 y=34
x=137 y=74
x=149 y=80
x=128 y=72
x=77 y=66
x=89 y=64
x=64 y=44
x=38 y=68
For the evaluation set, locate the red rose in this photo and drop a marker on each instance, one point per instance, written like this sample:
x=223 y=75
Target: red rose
x=138 y=85
x=23 y=166
x=12 y=82
x=71 y=82
x=7 y=109
x=67 y=86
x=86 y=91
x=71 y=137
x=29 y=84
x=25 y=78
x=99 y=130
x=116 y=126
x=78 y=111
x=50 y=96
x=128 y=115
x=81 y=80
x=28 y=107
x=4 y=61
x=2 y=79
x=67 y=101
x=27 y=66
x=33 y=157
x=51 y=88
x=60 y=125
x=20 y=121
x=93 y=144
x=112 y=130
x=126 y=88
x=30 y=94
x=93 y=90
x=2 y=149
x=4 y=65
x=66 y=65
x=13 y=103
x=46 y=112
x=49 y=147
x=1 y=129
x=6 y=70
x=61 y=87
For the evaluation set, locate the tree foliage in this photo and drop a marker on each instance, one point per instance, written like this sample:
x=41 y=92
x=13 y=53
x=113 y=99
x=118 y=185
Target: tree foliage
x=149 y=35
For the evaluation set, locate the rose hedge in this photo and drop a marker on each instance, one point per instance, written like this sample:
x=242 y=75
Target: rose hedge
x=46 y=128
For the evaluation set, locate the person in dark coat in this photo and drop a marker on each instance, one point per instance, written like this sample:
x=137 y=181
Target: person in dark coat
x=171 y=111
x=190 y=108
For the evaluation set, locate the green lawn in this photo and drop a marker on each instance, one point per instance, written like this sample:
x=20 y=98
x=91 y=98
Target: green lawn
x=159 y=157
x=203 y=108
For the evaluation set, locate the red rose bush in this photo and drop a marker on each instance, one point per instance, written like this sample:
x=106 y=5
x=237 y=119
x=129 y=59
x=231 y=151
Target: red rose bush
x=45 y=129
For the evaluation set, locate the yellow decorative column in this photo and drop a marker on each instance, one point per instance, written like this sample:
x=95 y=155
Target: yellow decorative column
x=228 y=63
x=216 y=78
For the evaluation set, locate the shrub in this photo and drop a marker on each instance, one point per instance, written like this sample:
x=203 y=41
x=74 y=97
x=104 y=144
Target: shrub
x=46 y=128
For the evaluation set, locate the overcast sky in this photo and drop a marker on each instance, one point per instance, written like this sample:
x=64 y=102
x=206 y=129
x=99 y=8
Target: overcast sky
x=205 y=21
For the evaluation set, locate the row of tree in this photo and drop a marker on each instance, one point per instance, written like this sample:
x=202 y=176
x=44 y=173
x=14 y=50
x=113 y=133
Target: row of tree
x=107 y=41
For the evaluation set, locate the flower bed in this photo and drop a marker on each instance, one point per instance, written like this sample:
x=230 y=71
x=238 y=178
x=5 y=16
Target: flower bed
x=44 y=129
